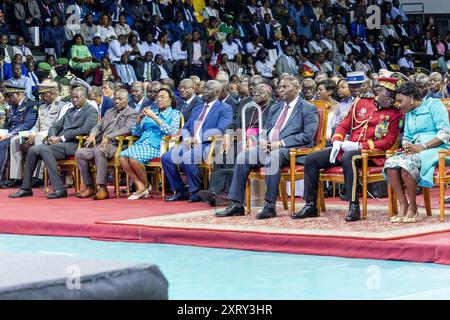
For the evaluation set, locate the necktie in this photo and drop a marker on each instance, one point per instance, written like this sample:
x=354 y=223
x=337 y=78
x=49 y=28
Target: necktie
x=201 y=118
x=128 y=74
x=279 y=124
x=148 y=72
x=184 y=106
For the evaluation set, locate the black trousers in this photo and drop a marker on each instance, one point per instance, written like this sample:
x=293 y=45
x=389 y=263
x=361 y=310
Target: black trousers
x=49 y=154
x=253 y=159
x=314 y=162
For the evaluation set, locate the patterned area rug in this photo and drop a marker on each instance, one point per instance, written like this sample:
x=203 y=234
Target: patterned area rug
x=330 y=224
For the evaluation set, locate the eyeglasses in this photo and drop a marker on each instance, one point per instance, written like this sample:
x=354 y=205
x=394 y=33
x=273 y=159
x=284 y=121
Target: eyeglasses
x=161 y=98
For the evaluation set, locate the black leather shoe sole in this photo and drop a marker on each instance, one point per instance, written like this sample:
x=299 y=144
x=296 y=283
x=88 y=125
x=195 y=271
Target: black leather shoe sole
x=304 y=216
x=351 y=219
x=22 y=194
x=177 y=198
x=235 y=213
x=266 y=216
x=57 y=195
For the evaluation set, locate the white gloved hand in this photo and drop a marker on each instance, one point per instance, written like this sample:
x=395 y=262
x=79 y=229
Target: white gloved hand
x=349 y=146
x=335 y=151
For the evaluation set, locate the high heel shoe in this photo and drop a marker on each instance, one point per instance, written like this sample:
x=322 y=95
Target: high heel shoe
x=396 y=219
x=137 y=196
x=411 y=219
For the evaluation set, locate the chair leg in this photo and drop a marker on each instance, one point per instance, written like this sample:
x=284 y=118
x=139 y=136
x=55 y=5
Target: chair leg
x=127 y=179
x=283 y=194
x=364 y=194
x=45 y=179
x=390 y=202
x=441 y=200
x=247 y=196
x=117 y=181
x=77 y=180
x=320 y=198
x=163 y=185
x=292 y=185
x=426 y=199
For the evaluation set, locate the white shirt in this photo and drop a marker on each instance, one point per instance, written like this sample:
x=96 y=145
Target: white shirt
x=230 y=49
x=165 y=52
x=106 y=33
x=177 y=53
x=429 y=48
x=264 y=68
x=164 y=74
x=292 y=104
x=198 y=125
x=23 y=51
x=197 y=53
x=404 y=63
x=139 y=105
x=251 y=49
x=116 y=50
x=144 y=47
x=190 y=99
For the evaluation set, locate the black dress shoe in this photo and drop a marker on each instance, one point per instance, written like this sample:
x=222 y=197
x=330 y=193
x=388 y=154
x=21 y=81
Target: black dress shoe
x=11 y=184
x=266 y=213
x=194 y=198
x=62 y=193
x=231 y=210
x=21 y=194
x=178 y=197
x=308 y=211
x=354 y=213
x=206 y=195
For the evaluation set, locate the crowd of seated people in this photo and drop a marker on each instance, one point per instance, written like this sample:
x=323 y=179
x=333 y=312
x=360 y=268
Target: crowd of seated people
x=141 y=69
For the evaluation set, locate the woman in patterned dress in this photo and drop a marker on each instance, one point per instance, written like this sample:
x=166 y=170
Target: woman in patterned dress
x=151 y=126
x=427 y=130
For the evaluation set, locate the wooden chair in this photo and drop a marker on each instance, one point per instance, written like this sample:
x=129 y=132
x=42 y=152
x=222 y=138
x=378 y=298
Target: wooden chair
x=441 y=179
x=68 y=165
x=294 y=171
x=154 y=166
x=367 y=174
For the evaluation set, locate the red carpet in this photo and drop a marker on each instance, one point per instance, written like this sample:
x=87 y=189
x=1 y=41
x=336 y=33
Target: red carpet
x=78 y=217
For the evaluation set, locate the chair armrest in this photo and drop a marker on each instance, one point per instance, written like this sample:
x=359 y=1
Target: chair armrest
x=174 y=137
x=373 y=153
x=81 y=138
x=131 y=138
x=444 y=153
x=122 y=138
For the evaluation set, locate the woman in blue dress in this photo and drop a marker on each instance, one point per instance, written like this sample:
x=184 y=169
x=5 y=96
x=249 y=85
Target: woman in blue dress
x=151 y=126
x=427 y=130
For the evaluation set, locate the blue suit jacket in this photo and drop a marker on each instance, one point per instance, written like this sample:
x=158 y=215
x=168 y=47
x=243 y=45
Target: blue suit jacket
x=215 y=123
x=107 y=104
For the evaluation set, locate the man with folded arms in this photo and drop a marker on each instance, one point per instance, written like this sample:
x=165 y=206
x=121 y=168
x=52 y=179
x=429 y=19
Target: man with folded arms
x=62 y=143
x=116 y=122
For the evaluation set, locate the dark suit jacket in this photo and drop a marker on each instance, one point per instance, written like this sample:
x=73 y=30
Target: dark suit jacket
x=301 y=128
x=377 y=65
x=215 y=123
x=231 y=101
x=107 y=103
x=187 y=110
x=154 y=71
x=70 y=127
x=115 y=126
x=189 y=47
x=57 y=11
x=145 y=103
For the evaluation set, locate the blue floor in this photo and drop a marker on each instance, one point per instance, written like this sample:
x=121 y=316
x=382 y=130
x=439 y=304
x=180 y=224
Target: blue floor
x=204 y=273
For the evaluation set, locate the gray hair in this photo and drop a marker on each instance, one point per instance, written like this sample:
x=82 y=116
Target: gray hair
x=138 y=85
x=187 y=82
x=215 y=85
x=154 y=84
x=82 y=90
x=95 y=91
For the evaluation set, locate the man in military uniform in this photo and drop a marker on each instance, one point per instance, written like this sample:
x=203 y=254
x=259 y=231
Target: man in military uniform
x=371 y=123
x=48 y=113
x=64 y=77
x=21 y=117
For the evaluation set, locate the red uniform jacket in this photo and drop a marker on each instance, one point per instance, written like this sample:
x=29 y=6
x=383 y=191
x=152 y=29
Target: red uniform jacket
x=374 y=129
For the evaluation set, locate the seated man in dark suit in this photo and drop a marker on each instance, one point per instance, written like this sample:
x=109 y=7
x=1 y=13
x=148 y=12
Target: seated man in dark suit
x=206 y=120
x=190 y=99
x=291 y=123
x=62 y=144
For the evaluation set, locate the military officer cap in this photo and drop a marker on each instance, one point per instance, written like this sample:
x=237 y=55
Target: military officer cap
x=77 y=82
x=47 y=85
x=389 y=83
x=44 y=66
x=13 y=88
x=355 y=78
x=63 y=61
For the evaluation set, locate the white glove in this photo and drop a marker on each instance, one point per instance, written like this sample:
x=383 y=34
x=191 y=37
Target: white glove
x=335 y=151
x=350 y=146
